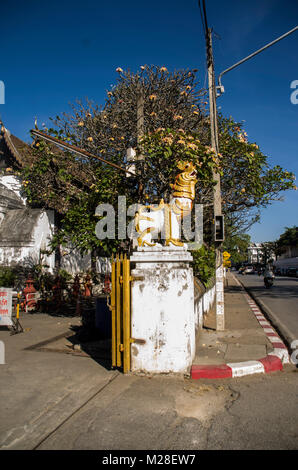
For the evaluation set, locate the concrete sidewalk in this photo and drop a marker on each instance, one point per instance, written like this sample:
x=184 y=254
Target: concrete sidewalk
x=247 y=339
x=55 y=394
x=57 y=397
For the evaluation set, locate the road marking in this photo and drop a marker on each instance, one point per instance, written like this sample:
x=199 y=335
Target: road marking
x=282 y=353
x=269 y=330
x=280 y=349
x=272 y=362
x=244 y=368
x=275 y=339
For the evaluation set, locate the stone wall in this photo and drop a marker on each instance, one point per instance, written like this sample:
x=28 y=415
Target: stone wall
x=203 y=301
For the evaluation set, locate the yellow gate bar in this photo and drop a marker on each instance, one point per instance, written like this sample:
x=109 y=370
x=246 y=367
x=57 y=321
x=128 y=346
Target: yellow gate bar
x=126 y=315
x=113 y=313
x=118 y=312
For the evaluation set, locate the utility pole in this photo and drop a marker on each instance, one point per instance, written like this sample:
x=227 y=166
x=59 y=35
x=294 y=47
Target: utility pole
x=217 y=210
x=132 y=155
x=140 y=133
x=140 y=119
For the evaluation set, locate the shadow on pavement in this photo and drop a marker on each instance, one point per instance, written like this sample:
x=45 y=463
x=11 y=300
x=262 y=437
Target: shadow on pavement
x=231 y=289
x=275 y=291
x=73 y=342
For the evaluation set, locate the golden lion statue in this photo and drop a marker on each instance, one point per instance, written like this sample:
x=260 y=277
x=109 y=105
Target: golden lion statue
x=166 y=218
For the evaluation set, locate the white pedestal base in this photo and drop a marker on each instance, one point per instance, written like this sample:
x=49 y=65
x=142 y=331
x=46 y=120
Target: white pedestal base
x=162 y=311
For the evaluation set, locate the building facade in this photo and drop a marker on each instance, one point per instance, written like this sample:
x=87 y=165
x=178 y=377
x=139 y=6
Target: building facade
x=254 y=253
x=25 y=233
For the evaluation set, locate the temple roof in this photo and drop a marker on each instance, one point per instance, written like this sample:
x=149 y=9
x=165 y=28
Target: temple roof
x=13 y=152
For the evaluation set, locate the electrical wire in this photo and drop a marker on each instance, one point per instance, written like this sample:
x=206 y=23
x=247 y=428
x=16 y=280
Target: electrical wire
x=205 y=18
x=202 y=17
x=210 y=62
x=205 y=32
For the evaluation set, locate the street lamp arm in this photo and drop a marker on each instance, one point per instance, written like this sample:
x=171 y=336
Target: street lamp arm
x=220 y=88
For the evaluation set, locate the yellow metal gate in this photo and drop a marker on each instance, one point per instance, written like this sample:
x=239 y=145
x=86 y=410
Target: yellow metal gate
x=120 y=312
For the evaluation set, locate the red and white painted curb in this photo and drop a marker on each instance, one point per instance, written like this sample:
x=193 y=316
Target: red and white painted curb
x=272 y=362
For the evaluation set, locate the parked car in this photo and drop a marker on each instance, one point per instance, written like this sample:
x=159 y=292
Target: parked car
x=249 y=270
x=292 y=272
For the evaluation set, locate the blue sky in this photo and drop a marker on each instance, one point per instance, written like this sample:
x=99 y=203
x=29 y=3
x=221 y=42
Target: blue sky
x=55 y=52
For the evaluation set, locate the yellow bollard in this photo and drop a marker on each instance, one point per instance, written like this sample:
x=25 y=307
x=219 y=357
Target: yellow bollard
x=18 y=307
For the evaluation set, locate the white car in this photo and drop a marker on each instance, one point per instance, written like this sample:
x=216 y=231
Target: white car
x=249 y=270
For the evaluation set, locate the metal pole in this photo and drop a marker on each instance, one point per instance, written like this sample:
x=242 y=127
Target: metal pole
x=220 y=88
x=140 y=133
x=140 y=119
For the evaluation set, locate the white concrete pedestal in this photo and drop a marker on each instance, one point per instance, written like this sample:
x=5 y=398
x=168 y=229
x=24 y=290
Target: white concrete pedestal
x=163 y=321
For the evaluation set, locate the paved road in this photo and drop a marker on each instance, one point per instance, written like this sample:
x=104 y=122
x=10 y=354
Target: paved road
x=52 y=401
x=280 y=302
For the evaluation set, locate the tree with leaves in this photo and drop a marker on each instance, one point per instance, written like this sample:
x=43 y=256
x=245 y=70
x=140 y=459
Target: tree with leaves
x=236 y=244
x=288 y=239
x=269 y=252
x=176 y=127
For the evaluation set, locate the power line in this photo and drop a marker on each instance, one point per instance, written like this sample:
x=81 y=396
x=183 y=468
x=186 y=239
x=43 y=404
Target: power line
x=202 y=17
x=204 y=22
x=207 y=39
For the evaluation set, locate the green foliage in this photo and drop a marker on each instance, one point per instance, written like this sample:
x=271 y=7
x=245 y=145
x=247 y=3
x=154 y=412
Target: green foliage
x=236 y=244
x=269 y=251
x=287 y=239
x=177 y=128
x=204 y=264
x=163 y=149
x=17 y=275
x=7 y=276
x=248 y=182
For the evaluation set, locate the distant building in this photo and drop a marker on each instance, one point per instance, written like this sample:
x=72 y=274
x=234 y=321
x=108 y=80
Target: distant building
x=287 y=260
x=24 y=232
x=290 y=252
x=254 y=253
